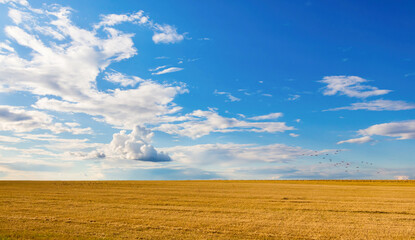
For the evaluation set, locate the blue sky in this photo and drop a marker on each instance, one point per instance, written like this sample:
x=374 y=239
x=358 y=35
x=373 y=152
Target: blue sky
x=207 y=90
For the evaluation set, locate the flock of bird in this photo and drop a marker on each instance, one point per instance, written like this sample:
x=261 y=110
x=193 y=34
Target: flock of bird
x=329 y=159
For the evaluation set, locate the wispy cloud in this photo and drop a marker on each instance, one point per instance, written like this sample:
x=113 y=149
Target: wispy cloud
x=268 y=116
x=168 y=70
x=350 y=86
x=364 y=139
x=293 y=97
x=123 y=80
x=9 y=139
x=227 y=94
x=163 y=33
x=200 y=123
x=399 y=130
x=157 y=68
x=18 y=119
x=378 y=105
x=231 y=153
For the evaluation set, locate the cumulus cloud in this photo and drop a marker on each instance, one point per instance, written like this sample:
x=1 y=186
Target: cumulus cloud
x=166 y=34
x=134 y=146
x=227 y=94
x=268 y=116
x=167 y=70
x=200 y=123
x=378 y=105
x=351 y=86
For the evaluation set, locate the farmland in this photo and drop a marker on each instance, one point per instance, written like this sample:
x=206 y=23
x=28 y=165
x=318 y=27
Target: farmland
x=207 y=210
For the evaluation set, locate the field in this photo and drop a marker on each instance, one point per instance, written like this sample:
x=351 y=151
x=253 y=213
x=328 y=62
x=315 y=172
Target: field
x=207 y=210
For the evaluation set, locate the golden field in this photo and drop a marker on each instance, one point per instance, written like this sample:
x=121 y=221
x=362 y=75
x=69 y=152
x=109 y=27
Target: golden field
x=207 y=210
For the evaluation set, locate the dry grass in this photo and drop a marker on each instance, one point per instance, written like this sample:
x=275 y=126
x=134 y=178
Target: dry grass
x=208 y=210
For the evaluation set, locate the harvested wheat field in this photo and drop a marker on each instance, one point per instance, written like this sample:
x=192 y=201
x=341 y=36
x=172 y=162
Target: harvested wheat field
x=207 y=210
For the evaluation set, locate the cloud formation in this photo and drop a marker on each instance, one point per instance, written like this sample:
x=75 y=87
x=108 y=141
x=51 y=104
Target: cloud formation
x=351 y=86
x=134 y=146
x=167 y=70
x=225 y=154
x=227 y=94
x=121 y=79
x=200 y=123
x=166 y=34
x=378 y=105
x=400 y=130
x=162 y=33
x=268 y=116
x=17 y=119
x=363 y=139
x=64 y=71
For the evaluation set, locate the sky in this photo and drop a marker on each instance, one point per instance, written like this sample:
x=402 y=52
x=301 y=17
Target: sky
x=168 y=90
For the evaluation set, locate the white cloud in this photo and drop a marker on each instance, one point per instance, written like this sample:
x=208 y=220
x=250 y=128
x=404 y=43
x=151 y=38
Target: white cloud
x=157 y=68
x=294 y=135
x=17 y=16
x=166 y=34
x=134 y=146
x=167 y=70
x=5 y=48
x=123 y=80
x=350 y=86
x=227 y=94
x=121 y=107
x=162 y=33
x=360 y=140
x=400 y=130
x=17 y=119
x=200 y=123
x=114 y=19
x=229 y=154
x=293 y=97
x=21 y=2
x=378 y=105
x=65 y=73
x=268 y=116
x=10 y=139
